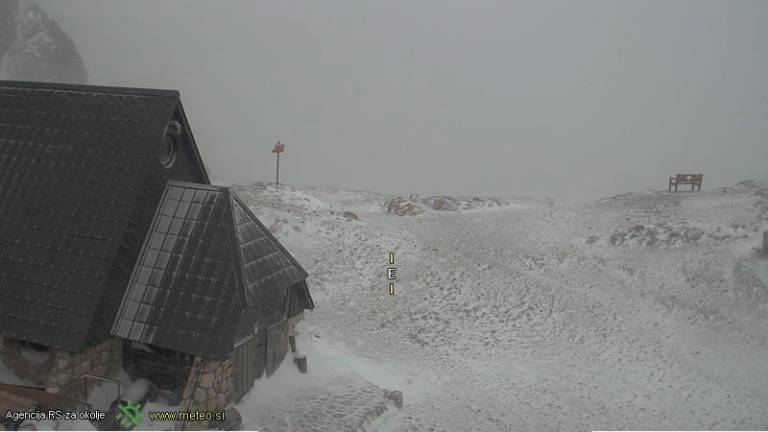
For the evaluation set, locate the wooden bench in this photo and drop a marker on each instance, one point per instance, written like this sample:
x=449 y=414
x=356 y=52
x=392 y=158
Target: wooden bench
x=692 y=179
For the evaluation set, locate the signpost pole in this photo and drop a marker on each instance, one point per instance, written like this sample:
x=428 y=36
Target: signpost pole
x=279 y=148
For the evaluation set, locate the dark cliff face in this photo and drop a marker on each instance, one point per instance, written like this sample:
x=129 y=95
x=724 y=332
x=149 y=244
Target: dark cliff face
x=7 y=25
x=33 y=47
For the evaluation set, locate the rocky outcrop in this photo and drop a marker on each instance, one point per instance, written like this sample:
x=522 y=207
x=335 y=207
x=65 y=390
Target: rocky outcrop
x=346 y=215
x=414 y=205
x=404 y=207
x=8 y=17
x=33 y=47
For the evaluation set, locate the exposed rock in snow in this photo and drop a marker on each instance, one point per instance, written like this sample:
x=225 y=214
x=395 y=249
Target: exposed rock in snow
x=349 y=215
x=404 y=207
x=414 y=205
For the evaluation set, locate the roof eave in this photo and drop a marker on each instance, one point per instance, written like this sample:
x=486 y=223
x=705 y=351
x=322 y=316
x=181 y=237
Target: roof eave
x=196 y=151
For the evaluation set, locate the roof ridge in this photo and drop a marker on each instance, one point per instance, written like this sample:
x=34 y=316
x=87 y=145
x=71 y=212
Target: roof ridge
x=269 y=234
x=91 y=88
x=237 y=249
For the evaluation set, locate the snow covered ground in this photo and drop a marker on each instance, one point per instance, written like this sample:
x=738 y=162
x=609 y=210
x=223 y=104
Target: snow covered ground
x=644 y=310
x=639 y=311
x=331 y=396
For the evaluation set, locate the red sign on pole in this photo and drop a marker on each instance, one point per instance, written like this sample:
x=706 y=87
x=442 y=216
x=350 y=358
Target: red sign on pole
x=279 y=148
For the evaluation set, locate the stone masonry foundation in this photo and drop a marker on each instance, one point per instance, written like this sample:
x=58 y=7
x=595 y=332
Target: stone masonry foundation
x=55 y=369
x=209 y=388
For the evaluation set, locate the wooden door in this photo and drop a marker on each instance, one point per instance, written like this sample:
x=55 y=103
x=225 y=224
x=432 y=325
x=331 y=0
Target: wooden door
x=277 y=345
x=249 y=362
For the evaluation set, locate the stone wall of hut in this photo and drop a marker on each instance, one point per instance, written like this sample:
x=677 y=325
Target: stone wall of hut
x=208 y=388
x=55 y=369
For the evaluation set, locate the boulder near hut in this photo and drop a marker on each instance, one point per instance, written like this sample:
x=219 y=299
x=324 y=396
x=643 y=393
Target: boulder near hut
x=116 y=252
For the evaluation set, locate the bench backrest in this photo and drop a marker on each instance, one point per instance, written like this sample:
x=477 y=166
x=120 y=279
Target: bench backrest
x=689 y=177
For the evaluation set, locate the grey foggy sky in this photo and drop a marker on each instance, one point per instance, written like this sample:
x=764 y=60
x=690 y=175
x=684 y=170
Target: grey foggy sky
x=574 y=100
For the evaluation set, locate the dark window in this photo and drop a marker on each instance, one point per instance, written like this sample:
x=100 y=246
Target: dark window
x=32 y=346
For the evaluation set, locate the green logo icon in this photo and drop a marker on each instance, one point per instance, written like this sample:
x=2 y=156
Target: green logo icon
x=129 y=415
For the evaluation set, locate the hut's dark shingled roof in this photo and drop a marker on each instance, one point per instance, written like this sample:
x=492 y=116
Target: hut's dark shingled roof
x=79 y=183
x=267 y=267
x=98 y=236
x=205 y=260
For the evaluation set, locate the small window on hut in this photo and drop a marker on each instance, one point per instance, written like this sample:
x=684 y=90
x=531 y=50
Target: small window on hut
x=32 y=346
x=170 y=145
x=33 y=352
